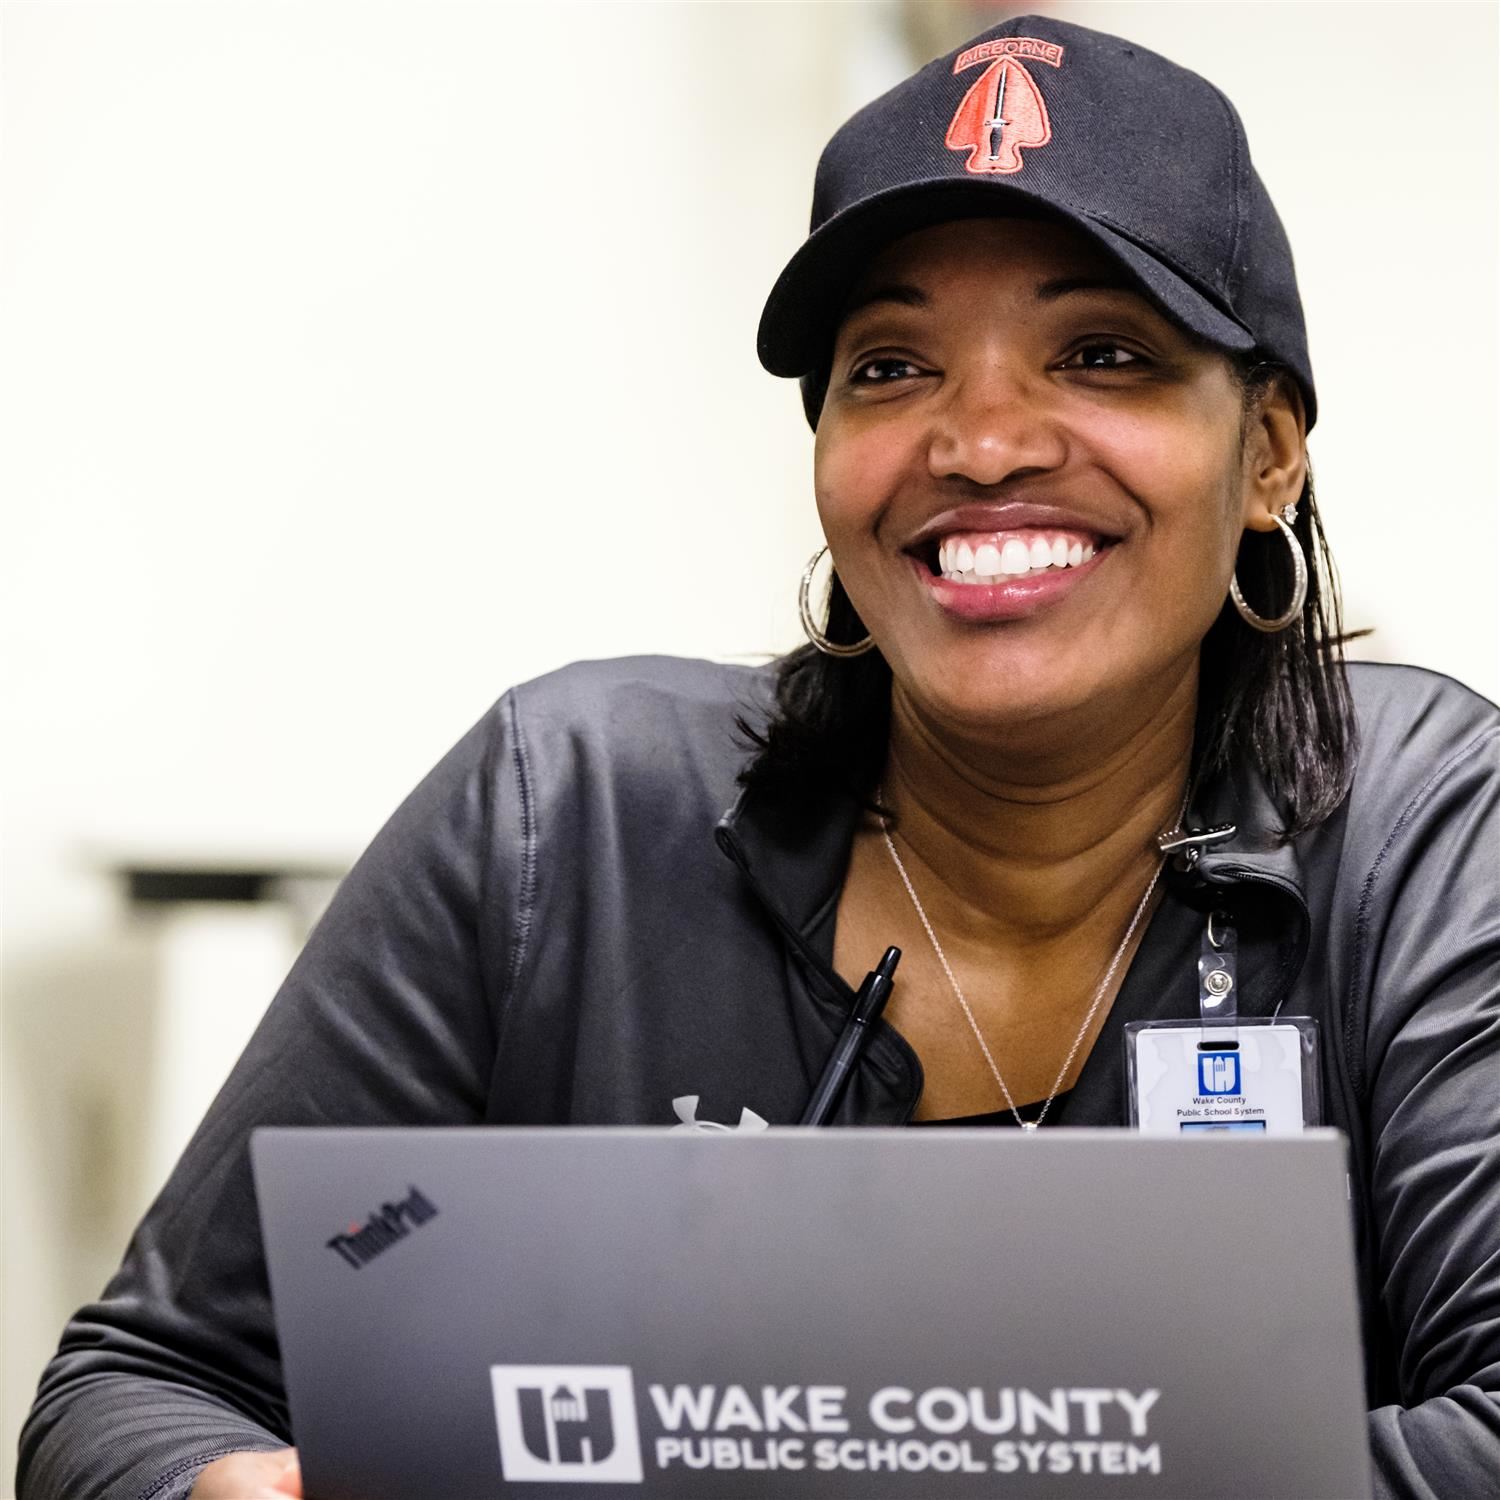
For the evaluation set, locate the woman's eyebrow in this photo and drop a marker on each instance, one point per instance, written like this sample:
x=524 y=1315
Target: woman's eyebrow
x=1062 y=286
x=903 y=293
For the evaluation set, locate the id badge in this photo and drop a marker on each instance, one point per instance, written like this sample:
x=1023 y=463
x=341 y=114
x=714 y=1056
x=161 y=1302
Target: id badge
x=1258 y=1076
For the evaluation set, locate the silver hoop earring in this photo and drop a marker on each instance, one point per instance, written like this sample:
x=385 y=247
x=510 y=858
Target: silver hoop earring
x=1299 y=584
x=810 y=626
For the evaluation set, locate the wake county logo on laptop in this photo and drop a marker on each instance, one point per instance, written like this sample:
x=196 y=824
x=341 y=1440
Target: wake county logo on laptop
x=1219 y=1073
x=581 y=1424
x=567 y=1423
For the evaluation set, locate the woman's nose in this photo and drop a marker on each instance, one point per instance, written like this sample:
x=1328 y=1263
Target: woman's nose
x=995 y=426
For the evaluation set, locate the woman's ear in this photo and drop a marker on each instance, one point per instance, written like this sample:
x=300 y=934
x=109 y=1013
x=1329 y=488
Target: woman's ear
x=1275 y=453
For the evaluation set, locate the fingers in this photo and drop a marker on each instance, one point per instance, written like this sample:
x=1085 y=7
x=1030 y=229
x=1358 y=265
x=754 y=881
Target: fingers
x=290 y=1480
x=251 y=1476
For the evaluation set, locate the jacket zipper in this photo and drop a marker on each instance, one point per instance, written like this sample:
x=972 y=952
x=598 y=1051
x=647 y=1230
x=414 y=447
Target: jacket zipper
x=831 y=978
x=1366 y=1236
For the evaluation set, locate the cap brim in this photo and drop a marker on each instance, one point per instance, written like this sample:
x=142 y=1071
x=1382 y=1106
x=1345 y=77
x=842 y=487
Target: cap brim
x=802 y=313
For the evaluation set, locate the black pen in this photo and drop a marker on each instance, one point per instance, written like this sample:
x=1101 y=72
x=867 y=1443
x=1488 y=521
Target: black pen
x=868 y=1004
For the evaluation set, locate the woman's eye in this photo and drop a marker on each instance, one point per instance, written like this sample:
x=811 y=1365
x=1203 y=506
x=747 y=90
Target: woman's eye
x=882 y=371
x=1102 y=356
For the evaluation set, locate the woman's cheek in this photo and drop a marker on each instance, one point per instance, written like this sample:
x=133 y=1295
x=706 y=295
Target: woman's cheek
x=849 y=481
x=1187 y=486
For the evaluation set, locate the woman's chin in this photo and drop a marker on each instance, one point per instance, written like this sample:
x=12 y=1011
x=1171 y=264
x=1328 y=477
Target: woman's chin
x=992 y=703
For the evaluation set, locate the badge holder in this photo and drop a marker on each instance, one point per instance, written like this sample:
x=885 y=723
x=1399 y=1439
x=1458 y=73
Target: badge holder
x=1252 y=1075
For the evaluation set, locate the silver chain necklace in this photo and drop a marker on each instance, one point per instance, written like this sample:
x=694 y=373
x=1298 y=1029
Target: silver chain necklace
x=1099 y=993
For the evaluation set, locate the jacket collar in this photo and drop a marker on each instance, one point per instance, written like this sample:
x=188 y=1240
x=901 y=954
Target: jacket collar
x=794 y=860
x=1257 y=850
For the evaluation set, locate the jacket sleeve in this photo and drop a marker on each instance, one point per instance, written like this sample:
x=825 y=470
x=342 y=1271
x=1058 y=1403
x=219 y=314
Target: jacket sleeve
x=384 y=1019
x=1428 y=960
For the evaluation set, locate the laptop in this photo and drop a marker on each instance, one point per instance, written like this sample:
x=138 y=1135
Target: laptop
x=602 y=1314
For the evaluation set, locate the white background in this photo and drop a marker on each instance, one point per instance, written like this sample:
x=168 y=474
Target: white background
x=360 y=359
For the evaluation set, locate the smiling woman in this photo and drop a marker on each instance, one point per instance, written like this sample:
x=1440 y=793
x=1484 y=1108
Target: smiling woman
x=1099 y=467
x=1050 y=410
x=1076 y=718
x=1034 y=485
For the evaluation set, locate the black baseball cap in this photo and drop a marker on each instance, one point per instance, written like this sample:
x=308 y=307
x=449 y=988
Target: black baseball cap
x=1038 y=116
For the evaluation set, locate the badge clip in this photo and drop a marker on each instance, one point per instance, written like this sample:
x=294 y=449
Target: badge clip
x=1218 y=984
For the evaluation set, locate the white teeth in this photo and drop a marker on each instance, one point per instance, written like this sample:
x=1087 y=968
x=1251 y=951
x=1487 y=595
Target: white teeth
x=1015 y=558
x=960 y=561
x=988 y=561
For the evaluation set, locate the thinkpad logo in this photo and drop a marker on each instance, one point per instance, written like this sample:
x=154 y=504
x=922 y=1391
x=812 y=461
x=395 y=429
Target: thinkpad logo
x=567 y=1423
x=359 y=1244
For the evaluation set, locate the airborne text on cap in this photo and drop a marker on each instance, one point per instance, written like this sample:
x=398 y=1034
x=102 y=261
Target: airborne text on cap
x=1010 y=46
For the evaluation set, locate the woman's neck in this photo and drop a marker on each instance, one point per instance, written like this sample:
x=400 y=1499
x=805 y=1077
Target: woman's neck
x=1023 y=849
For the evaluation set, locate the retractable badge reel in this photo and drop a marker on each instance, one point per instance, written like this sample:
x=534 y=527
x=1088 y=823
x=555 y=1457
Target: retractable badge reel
x=1221 y=1071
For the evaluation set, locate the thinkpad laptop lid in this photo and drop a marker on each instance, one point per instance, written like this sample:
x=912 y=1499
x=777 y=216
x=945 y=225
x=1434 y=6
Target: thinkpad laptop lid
x=468 y=1314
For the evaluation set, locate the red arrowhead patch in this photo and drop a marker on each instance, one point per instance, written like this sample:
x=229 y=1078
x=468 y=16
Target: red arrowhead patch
x=1003 y=110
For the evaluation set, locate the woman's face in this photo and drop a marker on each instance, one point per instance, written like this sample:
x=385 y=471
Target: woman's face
x=1031 y=482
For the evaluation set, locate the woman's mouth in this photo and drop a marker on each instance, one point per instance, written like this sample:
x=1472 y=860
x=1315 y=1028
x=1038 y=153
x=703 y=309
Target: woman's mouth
x=1006 y=575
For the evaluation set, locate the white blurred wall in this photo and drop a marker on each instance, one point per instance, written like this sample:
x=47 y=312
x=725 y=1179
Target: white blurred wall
x=363 y=358
x=360 y=359
x=1376 y=130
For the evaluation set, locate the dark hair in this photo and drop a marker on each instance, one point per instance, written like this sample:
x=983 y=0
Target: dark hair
x=1281 y=698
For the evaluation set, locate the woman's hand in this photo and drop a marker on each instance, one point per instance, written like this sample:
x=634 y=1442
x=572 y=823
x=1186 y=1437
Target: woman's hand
x=251 y=1476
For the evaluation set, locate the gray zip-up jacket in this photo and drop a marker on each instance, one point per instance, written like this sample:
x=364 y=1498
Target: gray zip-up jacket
x=564 y=924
